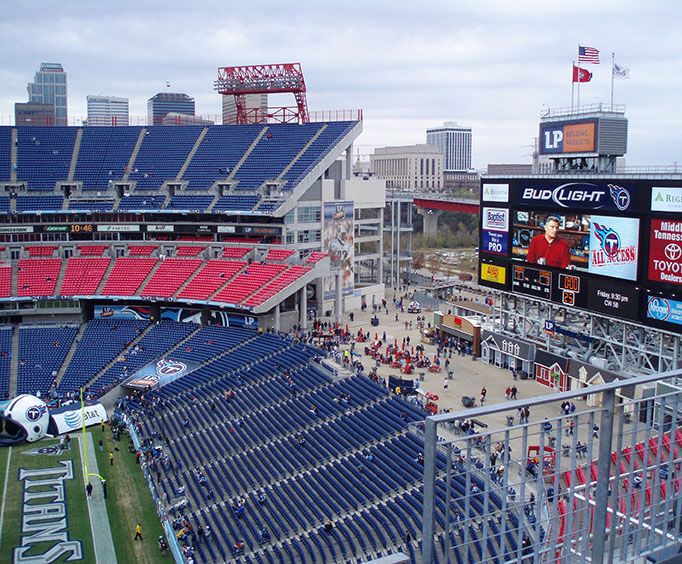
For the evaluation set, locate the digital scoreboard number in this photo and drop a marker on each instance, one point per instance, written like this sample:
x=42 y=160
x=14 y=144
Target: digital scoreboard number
x=82 y=228
x=569 y=288
x=532 y=281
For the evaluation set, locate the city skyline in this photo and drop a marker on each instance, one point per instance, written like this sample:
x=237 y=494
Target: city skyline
x=494 y=68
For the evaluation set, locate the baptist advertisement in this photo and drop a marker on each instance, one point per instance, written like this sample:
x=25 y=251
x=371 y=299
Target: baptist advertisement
x=339 y=245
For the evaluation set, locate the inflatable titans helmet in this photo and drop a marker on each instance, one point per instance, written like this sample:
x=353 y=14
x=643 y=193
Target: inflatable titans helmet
x=25 y=418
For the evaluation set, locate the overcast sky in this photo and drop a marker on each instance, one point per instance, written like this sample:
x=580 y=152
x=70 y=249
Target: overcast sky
x=490 y=65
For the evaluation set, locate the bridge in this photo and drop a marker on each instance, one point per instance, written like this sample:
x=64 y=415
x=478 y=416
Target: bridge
x=431 y=205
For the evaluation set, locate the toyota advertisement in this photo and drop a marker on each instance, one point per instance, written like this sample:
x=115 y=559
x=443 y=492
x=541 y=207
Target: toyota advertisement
x=600 y=244
x=665 y=251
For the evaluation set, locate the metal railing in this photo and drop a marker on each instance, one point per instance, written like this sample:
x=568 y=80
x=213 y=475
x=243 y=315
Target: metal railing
x=582 y=110
x=596 y=483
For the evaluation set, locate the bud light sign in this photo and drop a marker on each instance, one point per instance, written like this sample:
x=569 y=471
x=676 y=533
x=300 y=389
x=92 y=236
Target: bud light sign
x=577 y=195
x=494 y=242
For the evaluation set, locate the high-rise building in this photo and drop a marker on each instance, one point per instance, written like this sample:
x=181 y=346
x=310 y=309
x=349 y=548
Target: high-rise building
x=173 y=118
x=26 y=113
x=107 y=110
x=168 y=102
x=410 y=168
x=454 y=142
x=253 y=102
x=49 y=87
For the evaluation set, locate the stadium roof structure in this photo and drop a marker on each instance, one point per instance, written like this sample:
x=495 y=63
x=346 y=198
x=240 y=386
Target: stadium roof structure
x=265 y=79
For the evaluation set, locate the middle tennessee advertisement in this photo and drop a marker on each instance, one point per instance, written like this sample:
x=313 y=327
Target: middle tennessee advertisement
x=665 y=251
x=613 y=247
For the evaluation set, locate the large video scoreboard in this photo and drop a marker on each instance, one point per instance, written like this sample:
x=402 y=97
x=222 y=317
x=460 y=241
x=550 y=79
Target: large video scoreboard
x=612 y=246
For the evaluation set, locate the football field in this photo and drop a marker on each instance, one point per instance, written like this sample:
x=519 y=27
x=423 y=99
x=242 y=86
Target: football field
x=45 y=515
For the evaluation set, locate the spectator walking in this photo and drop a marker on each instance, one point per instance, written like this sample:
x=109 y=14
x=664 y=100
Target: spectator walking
x=88 y=490
x=483 y=394
x=104 y=488
x=138 y=531
x=445 y=384
x=111 y=457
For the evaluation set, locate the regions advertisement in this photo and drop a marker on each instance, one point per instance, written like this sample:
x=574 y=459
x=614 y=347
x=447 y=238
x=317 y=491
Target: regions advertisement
x=665 y=312
x=568 y=137
x=495 y=192
x=339 y=243
x=613 y=298
x=493 y=274
x=665 y=251
x=587 y=196
x=614 y=244
x=666 y=199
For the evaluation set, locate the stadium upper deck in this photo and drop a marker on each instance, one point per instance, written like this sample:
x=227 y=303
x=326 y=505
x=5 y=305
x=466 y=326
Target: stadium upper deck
x=222 y=169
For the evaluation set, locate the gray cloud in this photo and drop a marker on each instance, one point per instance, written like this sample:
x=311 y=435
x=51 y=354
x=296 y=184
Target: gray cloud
x=491 y=65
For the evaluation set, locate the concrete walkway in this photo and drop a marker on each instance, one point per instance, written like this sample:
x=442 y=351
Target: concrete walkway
x=99 y=520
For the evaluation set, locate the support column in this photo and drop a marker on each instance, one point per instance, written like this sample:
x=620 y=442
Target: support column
x=277 y=319
x=430 y=221
x=349 y=162
x=339 y=297
x=303 y=309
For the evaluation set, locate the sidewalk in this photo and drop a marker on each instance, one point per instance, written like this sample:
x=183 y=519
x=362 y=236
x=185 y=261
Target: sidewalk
x=99 y=520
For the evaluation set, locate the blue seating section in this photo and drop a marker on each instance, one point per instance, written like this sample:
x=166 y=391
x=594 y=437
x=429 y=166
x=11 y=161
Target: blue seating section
x=209 y=342
x=331 y=135
x=147 y=202
x=5 y=153
x=274 y=151
x=219 y=152
x=104 y=154
x=39 y=203
x=162 y=153
x=101 y=342
x=243 y=426
x=44 y=155
x=42 y=351
x=5 y=360
x=4 y=204
x=160 y=339
x=236 y=203
x=190 y=203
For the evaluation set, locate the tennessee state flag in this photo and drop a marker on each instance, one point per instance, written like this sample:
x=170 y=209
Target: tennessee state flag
x=581 y=75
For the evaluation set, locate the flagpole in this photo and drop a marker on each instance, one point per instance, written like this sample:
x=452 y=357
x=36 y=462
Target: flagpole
x=578 y=107
x=613 y=66
x=572 y=85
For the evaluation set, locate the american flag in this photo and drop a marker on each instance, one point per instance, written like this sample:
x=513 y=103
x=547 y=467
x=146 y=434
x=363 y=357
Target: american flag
x=588 y=55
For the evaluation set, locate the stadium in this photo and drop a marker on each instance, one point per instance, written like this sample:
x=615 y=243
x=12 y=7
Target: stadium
x=153 y=291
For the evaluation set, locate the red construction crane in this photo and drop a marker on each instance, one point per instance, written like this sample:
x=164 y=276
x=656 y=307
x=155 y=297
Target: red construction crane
x=265 y=79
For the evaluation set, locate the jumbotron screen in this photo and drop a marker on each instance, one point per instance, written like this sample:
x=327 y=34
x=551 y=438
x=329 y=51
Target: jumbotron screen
x=603 y=245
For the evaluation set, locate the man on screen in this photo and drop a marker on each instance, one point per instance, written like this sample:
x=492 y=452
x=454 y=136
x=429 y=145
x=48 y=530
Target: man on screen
x=547 y=248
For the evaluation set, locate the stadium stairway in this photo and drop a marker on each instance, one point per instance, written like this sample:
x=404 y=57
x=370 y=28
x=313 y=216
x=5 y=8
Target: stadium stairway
x=13 y=158
x=14 y=363
x=105 y=277
x=301 y=152
x=246 y=154
x=133 y=155
x=74 y=157
x=192 y=152
x=15 y=279
x=60 y=278
x=69 y=355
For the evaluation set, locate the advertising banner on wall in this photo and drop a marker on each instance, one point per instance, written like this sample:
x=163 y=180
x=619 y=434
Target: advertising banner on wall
x=495 y=242
x=339 y=244
x=159 y=373
x=494 y=274
x=68 y=418
x=666 y=199
x=568 y=137
x=141 y=313
x=572 y=196
x=665 y=251
x=182 y=314
x=665 y=311
x=495 y=192
x=614 y=247
x=225 y=319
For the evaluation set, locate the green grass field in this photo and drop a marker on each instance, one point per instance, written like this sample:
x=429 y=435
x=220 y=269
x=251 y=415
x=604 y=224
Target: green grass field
x=128 y=500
